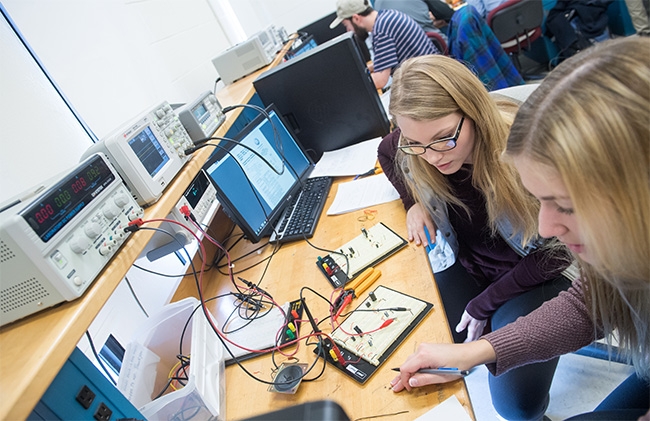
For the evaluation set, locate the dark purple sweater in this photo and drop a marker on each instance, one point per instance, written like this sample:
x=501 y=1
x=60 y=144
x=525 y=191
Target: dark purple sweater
x=488 y=258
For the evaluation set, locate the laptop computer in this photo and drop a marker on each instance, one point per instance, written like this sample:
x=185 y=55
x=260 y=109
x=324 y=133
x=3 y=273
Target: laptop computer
x=262 y=180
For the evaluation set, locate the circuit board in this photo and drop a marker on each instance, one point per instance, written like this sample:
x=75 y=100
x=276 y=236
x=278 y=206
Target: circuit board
x=371 y=246
x=363 y=344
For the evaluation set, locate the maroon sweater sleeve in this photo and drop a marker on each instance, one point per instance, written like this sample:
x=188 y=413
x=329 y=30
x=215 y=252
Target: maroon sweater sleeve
x=532 y=270
x=559 y=326
x=386 y=154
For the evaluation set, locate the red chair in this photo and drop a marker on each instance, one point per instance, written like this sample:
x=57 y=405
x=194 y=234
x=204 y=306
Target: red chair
x=438 y=41
x=516 y=24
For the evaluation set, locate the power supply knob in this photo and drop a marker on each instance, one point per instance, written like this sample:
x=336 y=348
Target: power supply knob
x=110 y=210
x=79 y=243
x=121 y=200
x=93 y=229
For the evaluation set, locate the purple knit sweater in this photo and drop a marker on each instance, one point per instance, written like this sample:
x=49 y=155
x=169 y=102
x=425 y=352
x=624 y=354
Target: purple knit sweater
x=561 y=325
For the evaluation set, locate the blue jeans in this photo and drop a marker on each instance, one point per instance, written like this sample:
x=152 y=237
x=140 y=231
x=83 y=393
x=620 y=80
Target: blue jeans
x=514 y=395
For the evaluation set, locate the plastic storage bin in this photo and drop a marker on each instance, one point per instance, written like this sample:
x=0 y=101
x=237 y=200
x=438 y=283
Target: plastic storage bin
x=153 y=352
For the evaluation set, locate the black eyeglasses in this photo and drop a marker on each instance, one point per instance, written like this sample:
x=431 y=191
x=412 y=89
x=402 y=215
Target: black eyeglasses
x=440 y=145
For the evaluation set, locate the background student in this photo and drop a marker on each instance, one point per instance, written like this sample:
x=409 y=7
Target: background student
x=395 y=36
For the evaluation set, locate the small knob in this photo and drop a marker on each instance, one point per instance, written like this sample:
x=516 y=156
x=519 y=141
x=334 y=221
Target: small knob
x=121 y=200
x=77 y=281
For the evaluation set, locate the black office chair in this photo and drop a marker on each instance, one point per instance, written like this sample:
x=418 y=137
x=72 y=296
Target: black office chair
x=516 y=24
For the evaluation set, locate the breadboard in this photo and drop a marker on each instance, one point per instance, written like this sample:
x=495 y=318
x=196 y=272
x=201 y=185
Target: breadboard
x=372 y=314
x=370 y=247
x=365 y=353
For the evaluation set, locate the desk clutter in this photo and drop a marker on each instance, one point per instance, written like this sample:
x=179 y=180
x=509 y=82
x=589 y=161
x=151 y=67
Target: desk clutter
x=174 y=366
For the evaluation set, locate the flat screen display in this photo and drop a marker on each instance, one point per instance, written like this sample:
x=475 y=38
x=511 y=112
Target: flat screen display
x=149 y=151
x=196 y=190
x=200 y=112
x=60 y=204
x=251 y=192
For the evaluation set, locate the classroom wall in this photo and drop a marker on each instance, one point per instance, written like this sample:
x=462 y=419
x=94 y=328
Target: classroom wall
x=114 y=59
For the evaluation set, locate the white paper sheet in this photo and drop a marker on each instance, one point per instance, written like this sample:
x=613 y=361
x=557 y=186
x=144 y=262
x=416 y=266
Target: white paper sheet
x=362 y=193
x=450 y=409
x=353 y=160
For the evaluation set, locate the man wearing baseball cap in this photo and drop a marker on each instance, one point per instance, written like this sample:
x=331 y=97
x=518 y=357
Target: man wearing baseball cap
x=395 y=36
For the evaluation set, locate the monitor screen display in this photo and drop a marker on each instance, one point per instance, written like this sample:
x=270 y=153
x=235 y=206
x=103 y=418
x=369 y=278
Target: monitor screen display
x=149 y=151
x=326 y=96
x=251 y=192
x=300 y=46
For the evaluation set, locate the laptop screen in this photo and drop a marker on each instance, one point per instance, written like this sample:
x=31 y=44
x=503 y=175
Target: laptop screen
x=251 y=192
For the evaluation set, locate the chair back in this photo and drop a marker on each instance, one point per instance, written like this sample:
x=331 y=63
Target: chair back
x=438 y=41
x=517 y=23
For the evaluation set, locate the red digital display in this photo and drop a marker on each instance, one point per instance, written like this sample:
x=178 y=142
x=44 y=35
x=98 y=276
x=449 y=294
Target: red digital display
x=58 y=206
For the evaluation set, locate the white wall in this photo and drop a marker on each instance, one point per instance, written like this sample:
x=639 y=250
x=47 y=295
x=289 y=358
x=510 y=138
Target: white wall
x=115 y=58
x=31 y=154
x=290 y=14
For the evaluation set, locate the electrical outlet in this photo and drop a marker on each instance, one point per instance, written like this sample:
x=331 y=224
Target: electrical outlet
x=103 y=413
x=85 y=396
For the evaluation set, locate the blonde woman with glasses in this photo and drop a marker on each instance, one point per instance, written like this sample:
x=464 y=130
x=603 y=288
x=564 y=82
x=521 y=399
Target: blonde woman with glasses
x=581 y=143
x=445 y=160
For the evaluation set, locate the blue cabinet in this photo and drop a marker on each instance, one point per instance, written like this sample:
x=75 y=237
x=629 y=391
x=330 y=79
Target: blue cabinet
x=81 y=392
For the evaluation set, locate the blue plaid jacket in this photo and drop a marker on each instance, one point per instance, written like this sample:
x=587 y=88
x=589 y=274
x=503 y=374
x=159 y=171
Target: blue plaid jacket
x=472 y=42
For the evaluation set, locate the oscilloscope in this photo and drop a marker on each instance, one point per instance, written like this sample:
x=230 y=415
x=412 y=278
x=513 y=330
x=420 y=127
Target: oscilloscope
x=201 y=117
x=147 y=152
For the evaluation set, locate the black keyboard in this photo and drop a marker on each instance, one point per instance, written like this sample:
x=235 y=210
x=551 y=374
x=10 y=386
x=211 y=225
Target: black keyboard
x=299 y=220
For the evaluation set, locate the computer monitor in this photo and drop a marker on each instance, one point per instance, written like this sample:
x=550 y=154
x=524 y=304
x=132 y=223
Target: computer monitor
x=322 y=33
x=301 y=45
x=251 y=193
x=326 y=96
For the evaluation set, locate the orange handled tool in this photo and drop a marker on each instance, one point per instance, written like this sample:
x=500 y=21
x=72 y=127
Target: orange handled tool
x=359 y=279
x=366 y=284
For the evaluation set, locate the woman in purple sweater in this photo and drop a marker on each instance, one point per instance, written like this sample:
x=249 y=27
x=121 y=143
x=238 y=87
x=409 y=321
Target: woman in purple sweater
x=581 y=144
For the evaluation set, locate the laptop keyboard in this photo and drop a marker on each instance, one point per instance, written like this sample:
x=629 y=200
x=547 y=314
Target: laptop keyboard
x=300 y=218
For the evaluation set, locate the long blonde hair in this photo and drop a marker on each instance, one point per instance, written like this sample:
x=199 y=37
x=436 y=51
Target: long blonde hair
x=590 y=121
x=432 y=87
